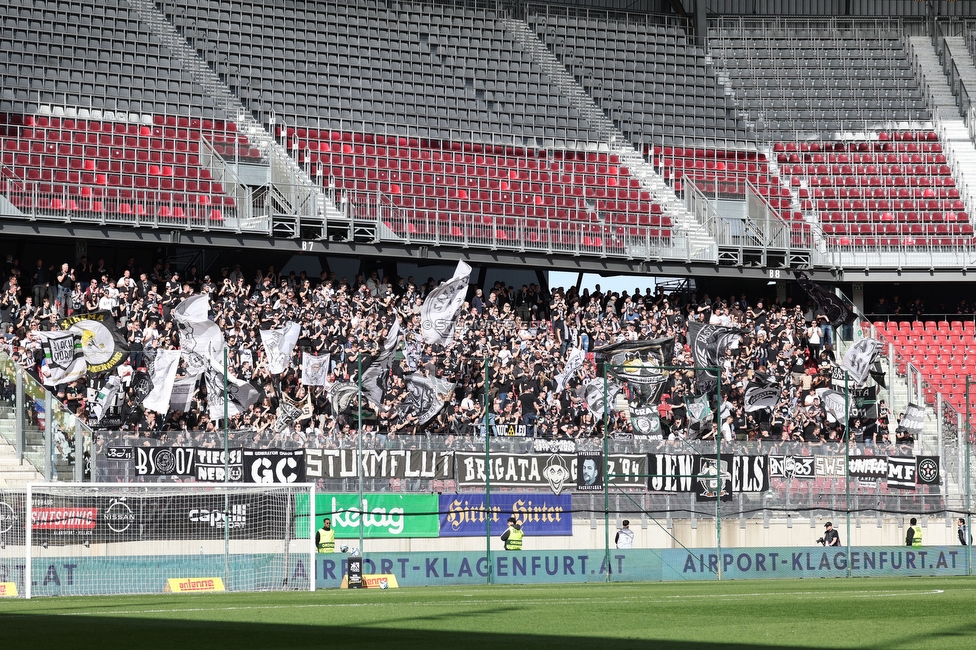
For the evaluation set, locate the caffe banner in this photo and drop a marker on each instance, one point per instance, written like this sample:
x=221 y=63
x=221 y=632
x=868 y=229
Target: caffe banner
x=555 y=471
x=539 y=513
x=379 y=463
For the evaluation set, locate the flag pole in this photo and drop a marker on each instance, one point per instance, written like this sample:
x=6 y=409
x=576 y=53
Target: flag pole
x=718 y=470
x=226 y=474
x=359 y=435
x=847 y=463
x=606 y=468
x=487 y=471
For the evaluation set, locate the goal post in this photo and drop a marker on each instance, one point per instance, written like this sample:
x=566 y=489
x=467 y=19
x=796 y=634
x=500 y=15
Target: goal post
x=86 y=539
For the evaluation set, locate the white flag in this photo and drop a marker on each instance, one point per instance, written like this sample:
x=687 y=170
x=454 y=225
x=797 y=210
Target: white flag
x=278 y=346
x=315 y=369
x=438 y=314
x=576 y=358
x=859 y=358
x=240 y=394
x=181 y=397
x=106 y=397
x=64 y=361
x=193 y=310
x=163 y=375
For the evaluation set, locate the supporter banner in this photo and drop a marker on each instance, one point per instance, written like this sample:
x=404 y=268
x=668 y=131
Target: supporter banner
x=833 y=307
x=697 y=473
x=464 y=515
x=162 y=376
x=274 y=465
x=425 y=397
x=374 y=374
x=927 y=470
x=381 y=463
x=792 y=467
x=503 y=430
x=63 y=361
x=590 y=476
x=102 y=344
x=710 y=344
x=182 y=396
x=290 y=411
x=190 y=462
x=540 y=445
x=575 y=361
x=901 y=472
x=438 y=314
x=379 y=515
x=714 y=478
x=761 y=394
x=278 y=346
x=914 y=420
x=592 y=393
x=869 y=467
x=859 y=359
x=831 y=466
x=543 y=470
x=315 y=369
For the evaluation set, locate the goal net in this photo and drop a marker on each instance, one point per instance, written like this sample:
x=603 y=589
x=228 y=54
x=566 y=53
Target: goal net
x=109 y=538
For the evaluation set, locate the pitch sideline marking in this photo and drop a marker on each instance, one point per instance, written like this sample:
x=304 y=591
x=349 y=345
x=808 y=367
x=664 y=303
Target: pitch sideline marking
x=810 y=594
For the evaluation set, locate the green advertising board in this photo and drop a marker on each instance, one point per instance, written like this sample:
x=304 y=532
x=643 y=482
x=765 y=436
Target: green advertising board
x=382 y=515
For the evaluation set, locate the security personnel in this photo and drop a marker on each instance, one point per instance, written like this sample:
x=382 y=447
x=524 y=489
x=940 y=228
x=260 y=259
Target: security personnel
x=625 y=536
x=914 y=535
x=513 y=535
x=325 y=537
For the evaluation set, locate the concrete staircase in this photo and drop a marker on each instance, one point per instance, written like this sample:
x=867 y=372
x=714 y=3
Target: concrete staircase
x=294 y=191
x=13 y=473
x=956 y=142
x=690 y=235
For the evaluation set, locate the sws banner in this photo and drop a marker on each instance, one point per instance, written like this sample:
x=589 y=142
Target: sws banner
x=190 y=462
x=556 y=471
x=464 y=515
x=698 y=473
x=274 y=465
x=381 y=515
x=383 y=463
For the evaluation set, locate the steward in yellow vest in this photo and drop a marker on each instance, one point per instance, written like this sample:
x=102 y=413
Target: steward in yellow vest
x=513 y=535
x=914 y=535
x=325 y=538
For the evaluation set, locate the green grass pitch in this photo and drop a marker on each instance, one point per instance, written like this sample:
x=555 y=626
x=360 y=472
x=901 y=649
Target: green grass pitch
x=911 y=613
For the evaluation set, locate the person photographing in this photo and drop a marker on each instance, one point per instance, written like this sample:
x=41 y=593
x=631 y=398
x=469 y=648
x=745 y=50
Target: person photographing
x=830 y=537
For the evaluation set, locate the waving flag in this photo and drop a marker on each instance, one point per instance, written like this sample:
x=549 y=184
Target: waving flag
x=438 y=314
x=278 y=346
x=102 y=344
x=64 y=361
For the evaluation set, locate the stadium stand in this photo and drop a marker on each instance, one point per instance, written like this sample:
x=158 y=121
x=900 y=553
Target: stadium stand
x=645 y=74
x=799 y=79
x=149 y=171
x=418 y=69
x=892 y=191
x=941 y=350
x=470 y=191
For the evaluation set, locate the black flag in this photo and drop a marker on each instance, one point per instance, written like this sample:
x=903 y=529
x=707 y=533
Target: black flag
x=836 y=311
x=709 y=346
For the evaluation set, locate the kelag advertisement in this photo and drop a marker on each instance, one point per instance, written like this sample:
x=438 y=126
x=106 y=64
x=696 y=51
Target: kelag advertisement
x=382 y=515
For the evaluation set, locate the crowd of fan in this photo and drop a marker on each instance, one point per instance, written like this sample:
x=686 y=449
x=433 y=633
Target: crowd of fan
x=522 y=338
